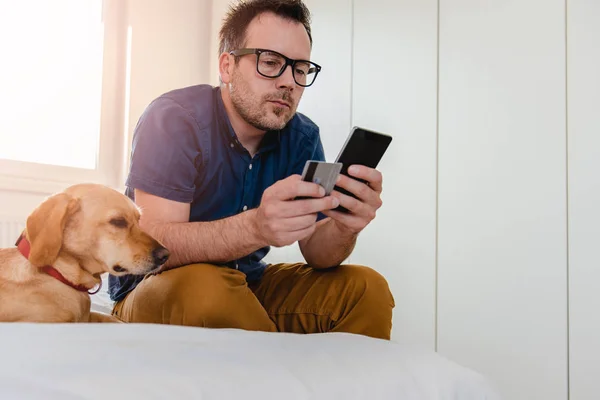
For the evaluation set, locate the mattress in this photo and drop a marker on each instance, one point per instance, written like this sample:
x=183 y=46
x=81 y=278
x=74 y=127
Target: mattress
x=127 y=361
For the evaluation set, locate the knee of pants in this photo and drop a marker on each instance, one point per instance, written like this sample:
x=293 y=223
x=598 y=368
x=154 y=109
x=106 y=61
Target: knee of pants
x=198 y=294
x=369 y=285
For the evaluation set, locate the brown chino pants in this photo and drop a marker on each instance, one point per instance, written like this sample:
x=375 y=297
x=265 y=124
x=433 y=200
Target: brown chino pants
x=289 y=298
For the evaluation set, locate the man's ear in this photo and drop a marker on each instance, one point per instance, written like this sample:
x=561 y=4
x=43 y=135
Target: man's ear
x=45 y=227
x=226 y=67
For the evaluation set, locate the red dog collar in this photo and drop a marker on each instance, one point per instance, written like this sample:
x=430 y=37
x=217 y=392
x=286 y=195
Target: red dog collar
x=25 y=248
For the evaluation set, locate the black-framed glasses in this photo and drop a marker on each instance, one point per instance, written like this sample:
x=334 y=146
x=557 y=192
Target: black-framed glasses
x=271 y=64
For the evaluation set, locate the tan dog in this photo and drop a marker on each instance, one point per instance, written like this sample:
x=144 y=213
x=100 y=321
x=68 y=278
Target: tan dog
x=70 y=240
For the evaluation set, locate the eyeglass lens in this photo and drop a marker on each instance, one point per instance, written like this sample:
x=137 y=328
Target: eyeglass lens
x=271 y=65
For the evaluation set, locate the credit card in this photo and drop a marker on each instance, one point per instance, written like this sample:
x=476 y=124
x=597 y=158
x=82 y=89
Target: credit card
x=322 y=173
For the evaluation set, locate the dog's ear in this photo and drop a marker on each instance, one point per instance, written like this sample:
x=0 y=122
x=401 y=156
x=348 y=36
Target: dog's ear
x=45 y=226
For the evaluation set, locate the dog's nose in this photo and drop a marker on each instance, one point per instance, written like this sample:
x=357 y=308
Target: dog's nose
x=160 y=255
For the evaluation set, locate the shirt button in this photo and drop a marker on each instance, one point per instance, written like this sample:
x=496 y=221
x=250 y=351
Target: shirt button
x=245 y=208
x=231 y=145
x=250 y=166
x=237 y=266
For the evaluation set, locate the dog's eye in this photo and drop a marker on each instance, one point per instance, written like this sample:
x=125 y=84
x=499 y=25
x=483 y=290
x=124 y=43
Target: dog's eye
x=119 y=222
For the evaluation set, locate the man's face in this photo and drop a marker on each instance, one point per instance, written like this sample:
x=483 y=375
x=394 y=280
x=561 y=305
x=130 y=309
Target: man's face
x=269 y=103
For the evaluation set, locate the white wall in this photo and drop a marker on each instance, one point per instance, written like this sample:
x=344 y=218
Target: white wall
x=170 y=43
x=394 y=89
x=219 y=8
x=331 y=93
x=502 y=248
x=583 y=44
x=16 y=205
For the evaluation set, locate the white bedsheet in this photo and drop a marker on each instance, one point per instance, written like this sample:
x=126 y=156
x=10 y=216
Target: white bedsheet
x=142 y=361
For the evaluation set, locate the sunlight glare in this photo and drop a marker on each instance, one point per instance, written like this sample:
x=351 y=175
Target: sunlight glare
x=51 y=81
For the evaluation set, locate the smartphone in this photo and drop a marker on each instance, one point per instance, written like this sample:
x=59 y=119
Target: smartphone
x=362 y=147
x=322 y=173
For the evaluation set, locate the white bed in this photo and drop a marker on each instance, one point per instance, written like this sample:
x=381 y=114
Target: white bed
x=135 y=361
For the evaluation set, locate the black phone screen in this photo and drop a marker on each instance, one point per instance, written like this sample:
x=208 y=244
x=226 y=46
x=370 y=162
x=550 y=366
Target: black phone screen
x=363 y=147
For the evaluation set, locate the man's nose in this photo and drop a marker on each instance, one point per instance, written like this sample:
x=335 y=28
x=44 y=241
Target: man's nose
x=286 y=79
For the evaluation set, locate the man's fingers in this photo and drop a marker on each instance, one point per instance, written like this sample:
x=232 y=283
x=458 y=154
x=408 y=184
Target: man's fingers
x=308 y=206
x=295 y=223
x=372 y=176
x=293 y=187
x=349 y=220
x=295 y=208
x=350 y=203
x=309 y=189
x=359 y=189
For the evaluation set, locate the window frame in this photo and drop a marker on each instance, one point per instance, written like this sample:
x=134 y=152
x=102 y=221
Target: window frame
x=113 y=134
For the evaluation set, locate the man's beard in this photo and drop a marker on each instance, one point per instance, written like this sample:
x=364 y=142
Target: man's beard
x=251 y=109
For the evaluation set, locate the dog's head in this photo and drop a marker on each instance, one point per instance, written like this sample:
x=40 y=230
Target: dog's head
x=95 y=225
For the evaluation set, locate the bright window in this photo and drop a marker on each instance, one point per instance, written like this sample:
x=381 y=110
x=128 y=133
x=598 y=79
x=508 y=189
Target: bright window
x=51 y=81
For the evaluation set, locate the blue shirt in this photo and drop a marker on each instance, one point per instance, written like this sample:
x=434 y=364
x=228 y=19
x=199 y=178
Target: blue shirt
x=184 y=149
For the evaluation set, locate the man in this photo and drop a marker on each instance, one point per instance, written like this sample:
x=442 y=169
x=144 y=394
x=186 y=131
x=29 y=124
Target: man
x=216 y=172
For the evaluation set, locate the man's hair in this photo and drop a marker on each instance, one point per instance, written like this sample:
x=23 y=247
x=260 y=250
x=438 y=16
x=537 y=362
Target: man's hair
x=233 y=31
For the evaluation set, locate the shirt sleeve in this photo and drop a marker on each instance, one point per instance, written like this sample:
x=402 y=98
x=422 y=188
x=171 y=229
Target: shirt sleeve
x=165 y=152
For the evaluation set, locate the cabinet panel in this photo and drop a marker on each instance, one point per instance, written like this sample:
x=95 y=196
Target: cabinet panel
x=502 y=270
x=394 y=91
x=583 y=44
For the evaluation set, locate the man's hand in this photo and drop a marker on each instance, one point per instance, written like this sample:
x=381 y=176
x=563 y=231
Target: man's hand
x=363 y=209
x=335 y=239
x=280 y=220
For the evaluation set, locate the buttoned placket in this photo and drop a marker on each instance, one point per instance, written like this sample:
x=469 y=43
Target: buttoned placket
x=249 y=177
x=248 y=182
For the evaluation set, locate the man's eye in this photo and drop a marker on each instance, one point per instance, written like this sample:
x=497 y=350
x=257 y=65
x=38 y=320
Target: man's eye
x=119 y=222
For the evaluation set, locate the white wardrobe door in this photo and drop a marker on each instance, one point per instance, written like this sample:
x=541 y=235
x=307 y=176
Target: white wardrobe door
x=583 y=44
x=394 y=91
x=502 y=193
x=327 y=101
